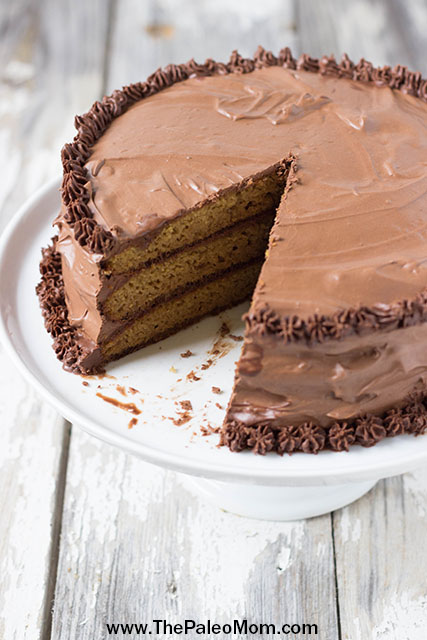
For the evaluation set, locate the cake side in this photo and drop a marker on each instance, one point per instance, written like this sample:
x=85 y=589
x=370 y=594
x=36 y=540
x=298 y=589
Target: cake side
x=80 y=354
x=322 y=389
x=409 y=417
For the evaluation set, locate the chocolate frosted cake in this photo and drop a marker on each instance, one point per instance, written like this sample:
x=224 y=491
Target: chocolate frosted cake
x=301 y=183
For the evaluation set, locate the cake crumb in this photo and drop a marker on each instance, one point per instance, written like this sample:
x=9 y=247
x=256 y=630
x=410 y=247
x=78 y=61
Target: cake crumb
x=219 y=406
x=224 y=329
x=183 y=417
x=206 y=364
x=121 y=389
x=216 y=390
x=192 y=377
x=187 y=354
x=208 y=430
x=236 y=338
x=172 y=369
x=85 y=383
x=127 y=406
x=133 y=390
x=132 y=423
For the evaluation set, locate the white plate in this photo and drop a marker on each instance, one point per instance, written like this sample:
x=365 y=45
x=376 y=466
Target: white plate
x=159 y=373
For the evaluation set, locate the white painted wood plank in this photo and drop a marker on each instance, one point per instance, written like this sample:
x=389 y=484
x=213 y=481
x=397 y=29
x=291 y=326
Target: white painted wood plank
x=409 y=21
x=45 y=79
x=136 y=546
x=381 y=31
x=152 y=34
x=52 y=69
x=382 y=560
x=32 y=444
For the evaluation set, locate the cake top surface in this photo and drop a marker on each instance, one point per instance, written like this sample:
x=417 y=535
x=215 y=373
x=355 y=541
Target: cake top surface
x=351 y=231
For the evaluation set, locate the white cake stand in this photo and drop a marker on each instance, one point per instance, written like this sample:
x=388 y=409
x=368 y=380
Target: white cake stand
x=156 y=380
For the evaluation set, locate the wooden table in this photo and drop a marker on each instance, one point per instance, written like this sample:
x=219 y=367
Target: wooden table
x=89 y=535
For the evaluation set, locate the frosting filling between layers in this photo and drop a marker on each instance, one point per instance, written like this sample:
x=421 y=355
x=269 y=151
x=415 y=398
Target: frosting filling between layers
x=99 y=305
x=162 y=320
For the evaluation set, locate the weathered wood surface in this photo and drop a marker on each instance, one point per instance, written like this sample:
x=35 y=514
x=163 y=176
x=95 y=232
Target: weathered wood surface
x=41 y=88
x=381 y=561
x=135 y=545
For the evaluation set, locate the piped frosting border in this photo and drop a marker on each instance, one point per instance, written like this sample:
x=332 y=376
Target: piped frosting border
x=308 y=437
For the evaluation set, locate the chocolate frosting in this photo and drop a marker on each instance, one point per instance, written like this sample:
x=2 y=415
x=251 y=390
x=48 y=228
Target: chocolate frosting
x=308 y=437
x=193 y=140
x=337 y=380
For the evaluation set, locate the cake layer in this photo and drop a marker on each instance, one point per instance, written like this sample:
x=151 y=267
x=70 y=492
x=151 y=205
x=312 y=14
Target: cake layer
x=160 y=280
x=88 y=285
x=164 y=319
x=229 y=207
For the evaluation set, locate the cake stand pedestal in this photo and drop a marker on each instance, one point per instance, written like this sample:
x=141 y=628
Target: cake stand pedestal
x=280 y=503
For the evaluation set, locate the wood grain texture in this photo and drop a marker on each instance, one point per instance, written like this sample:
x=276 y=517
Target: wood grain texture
x=377 y=30
x=136 y=546
x=147 y=35
x=33 y=448
x=41 y=88
x=381 y=561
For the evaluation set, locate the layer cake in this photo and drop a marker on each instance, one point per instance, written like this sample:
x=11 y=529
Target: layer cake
x=300 y=183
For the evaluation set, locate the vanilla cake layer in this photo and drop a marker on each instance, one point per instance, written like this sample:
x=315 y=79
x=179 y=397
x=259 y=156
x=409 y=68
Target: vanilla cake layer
x=252 y=196
x=161 y=280
x=165 y=319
